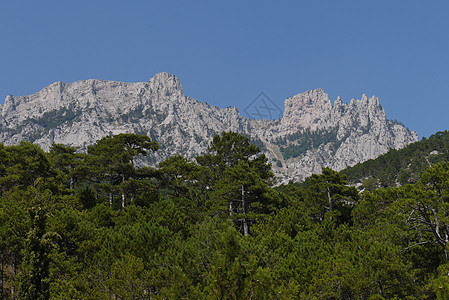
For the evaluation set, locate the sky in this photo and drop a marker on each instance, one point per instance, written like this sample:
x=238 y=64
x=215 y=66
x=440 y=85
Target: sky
x=226 y=53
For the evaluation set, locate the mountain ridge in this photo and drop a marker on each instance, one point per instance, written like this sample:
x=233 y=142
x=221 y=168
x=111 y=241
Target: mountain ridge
x=82 y=112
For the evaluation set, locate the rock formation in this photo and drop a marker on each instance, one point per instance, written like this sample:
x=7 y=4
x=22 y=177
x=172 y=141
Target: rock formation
x=311 y=134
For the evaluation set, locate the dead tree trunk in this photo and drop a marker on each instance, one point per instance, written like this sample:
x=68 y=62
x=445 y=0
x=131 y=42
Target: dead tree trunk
x=230 y=208
x=329 y=197
x=245 y=220
x=123 y=191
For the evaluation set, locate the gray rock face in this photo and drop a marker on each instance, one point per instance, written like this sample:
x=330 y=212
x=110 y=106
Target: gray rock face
x=80 y=113
x=355 y=132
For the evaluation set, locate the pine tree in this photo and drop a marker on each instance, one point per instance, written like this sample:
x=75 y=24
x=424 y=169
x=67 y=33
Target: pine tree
x=34 y=281
x=329 y=194
x=111 y=160
x=240 y=179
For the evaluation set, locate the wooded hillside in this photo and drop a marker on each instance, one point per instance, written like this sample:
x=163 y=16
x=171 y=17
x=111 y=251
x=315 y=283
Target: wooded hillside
x=96 y=226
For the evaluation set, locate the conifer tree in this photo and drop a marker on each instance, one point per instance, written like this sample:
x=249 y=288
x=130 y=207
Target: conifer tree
x=240 y=177
x=329 y=194
x=112 y=160
x=34 y=281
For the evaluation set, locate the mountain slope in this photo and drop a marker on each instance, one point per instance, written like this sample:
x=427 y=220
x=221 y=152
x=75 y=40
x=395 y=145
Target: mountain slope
x=311 y=134
x=399 y=167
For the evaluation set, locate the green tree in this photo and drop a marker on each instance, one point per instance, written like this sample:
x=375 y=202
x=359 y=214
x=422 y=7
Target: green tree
x=34 y=282
x=244 y=195
x=178 y=174
x=111 y=160
x=424 y=212
x=231 y=148
x=328 y=194
x=128 y=278
x=25 y=165
x=14 y=225
x=182 y=180
x=240 y=176
x=65 y=160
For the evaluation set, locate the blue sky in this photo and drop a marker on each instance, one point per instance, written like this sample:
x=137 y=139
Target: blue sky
x=227 y=52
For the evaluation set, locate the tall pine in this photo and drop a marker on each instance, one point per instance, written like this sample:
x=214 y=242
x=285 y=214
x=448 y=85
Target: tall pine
x=34 y=281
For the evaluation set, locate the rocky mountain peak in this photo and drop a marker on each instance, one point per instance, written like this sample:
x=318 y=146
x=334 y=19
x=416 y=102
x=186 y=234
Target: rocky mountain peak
x=10 y=104
x=165 y=85
x=311 y=134
x=339 y=101
x=305 y=111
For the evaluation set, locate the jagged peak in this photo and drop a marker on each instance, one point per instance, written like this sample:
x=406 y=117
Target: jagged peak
x=338 y=102
x=99 y=107
x=163 y=76
x=314 y=92
x=166 y=82
x=373 y=101
x=317 y=91
x=365 y=98
x=9 y=98
x=310 y=97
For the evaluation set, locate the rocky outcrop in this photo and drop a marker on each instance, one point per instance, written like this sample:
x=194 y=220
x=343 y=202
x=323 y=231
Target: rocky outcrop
x=311 y=134
x=353 y=132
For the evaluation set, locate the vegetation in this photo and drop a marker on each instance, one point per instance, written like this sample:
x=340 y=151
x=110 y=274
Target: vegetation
x=96 y=226
x=299 y=143
x=400 y=167
x=45 y=122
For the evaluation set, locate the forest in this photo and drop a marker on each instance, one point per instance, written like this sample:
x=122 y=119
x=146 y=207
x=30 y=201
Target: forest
x=400 y=167
x=101 y=225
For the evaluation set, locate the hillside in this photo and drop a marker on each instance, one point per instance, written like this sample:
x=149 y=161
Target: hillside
x=94 y=226
x=399 y=167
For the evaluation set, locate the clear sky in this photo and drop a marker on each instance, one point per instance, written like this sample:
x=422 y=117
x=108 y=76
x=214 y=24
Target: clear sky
x=227 y=52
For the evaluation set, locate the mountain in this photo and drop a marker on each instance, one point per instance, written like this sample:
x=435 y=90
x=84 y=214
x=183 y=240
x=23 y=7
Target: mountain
x=312 y=132
x=400 y=167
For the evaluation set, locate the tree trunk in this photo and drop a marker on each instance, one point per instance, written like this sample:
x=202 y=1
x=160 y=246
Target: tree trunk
x=110 y=199
x=245 y=220
x=381 y=290
x=230 y=208
x=123 y=192
x=329 y=197
x=14 y=273
x=1 y=280
x=330 y=201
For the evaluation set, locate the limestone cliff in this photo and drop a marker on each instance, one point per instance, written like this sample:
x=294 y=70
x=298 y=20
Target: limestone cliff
x=311 y=134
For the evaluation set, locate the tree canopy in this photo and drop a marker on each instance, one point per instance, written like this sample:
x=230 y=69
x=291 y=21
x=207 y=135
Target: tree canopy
x=105 y=224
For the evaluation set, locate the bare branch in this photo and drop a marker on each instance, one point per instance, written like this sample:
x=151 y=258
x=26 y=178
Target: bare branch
x=417 y=244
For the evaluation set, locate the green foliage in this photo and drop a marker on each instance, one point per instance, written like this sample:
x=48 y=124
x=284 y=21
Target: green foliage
x=328 y=196
x=47 y=121
x=25 y=165
x=304 y=141
x=182 y=233
x=57 y=117
x=111 y=163
x=279 y=164
x=239 y=177
x=34 y=281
